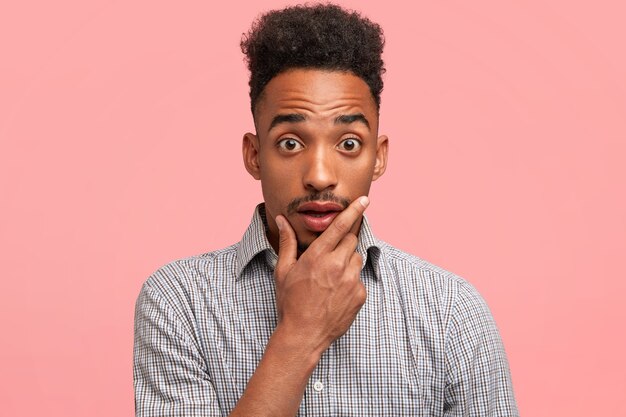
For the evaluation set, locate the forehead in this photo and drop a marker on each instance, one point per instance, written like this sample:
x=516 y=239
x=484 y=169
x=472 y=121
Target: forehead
x=317 y=94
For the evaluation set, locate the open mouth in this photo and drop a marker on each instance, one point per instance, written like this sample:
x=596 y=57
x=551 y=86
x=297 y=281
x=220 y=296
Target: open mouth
x=317 y=216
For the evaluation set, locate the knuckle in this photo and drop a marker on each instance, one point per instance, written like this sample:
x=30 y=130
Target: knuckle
x=341 y=225
x=361 y=294
x=283 y=239
x=337 y=264
x=356 y=210
x=352 y=239
x=354 y=273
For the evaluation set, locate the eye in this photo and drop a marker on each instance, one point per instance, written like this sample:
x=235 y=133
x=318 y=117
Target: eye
x=350 y=145
x=289 y=145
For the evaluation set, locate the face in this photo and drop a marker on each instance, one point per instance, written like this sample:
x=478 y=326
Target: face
x=316 y=148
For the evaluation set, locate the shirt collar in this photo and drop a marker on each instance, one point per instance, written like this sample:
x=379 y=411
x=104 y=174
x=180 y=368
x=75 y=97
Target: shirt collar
x=255 y=241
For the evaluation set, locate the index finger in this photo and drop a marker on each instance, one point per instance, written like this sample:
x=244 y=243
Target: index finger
x=342 y=224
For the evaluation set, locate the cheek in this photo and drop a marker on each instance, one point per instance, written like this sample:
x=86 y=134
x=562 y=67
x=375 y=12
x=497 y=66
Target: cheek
x=357 y=175
x=277 y=172
x=279 y=183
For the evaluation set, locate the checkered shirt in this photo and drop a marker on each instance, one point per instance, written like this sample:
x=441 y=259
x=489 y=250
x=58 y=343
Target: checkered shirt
x=424 y=343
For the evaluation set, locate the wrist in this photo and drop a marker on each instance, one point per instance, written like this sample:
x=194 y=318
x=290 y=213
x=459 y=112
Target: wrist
x=300 y=349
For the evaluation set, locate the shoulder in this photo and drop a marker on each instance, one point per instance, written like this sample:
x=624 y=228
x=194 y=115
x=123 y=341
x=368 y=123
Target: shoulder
x=417 y=271
x=429 y=285
x=188 y=278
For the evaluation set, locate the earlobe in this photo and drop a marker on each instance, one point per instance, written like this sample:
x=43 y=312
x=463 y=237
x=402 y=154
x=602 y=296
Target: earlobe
x=382 y=146
x=250 y=153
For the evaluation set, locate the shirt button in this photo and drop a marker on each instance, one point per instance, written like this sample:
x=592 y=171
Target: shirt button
x=318 y=386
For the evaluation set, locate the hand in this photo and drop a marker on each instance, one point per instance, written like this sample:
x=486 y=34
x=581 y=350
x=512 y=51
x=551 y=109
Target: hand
x=319 y=295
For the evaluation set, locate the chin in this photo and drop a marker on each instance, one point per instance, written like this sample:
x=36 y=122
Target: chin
x=304 y=244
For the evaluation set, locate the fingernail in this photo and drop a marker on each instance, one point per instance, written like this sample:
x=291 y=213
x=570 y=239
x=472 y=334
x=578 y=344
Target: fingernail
x=279 y=223
x=364 y=201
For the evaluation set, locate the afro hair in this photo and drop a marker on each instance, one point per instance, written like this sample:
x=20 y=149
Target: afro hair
x=320 y=36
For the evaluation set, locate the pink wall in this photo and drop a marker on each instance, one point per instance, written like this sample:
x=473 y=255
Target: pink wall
x=120 y=129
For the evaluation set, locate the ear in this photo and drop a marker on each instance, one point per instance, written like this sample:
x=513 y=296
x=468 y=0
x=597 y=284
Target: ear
x=382 y=145
x=250 y=152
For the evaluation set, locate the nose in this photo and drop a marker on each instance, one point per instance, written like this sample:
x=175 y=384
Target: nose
x=320 y=171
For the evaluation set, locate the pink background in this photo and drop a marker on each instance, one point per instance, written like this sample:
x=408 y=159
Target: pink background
x=120 y=132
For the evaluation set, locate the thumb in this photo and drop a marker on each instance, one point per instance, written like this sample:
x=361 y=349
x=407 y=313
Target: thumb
x=287 y=247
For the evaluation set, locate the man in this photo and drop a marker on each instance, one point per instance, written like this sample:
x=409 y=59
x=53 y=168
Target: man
x=310 y=314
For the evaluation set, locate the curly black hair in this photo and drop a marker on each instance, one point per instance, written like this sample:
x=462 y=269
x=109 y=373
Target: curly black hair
x=322 y=36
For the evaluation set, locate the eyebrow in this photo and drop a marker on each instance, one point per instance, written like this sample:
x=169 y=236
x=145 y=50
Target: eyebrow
x=297 y=118
x=287 y=118
x=351 y=118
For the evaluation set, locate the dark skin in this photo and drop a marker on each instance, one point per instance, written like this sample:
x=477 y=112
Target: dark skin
x=316 y=136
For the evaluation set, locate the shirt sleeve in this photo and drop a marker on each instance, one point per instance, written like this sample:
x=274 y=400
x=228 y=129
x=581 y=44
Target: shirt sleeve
x=478 y=379
x=168 y=369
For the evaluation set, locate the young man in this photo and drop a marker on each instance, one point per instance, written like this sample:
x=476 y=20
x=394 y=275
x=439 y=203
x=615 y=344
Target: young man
x=310 y=314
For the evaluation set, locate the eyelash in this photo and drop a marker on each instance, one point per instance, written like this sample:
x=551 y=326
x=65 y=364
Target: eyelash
x=278 y=144
x=358 y=143
x=355 y=140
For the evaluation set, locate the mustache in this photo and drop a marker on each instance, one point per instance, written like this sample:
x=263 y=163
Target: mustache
x=327 y=196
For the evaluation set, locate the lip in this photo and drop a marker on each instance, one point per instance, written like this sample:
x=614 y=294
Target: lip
x=326 y=214
x=319 y=206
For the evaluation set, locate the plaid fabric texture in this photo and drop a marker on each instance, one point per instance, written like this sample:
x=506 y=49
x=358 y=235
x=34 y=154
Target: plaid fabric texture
x=424 y=343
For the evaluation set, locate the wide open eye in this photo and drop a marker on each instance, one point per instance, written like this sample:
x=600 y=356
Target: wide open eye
x=350 y=145
x=289 y=145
